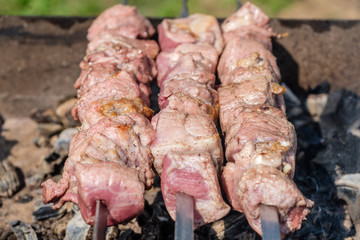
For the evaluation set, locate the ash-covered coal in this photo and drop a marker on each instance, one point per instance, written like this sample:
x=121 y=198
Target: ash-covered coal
x=327 y=151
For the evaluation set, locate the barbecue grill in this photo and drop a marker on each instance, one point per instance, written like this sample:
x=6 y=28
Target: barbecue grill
x=40 y=58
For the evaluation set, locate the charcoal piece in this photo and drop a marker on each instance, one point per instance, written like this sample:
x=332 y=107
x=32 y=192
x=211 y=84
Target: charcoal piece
x=348 y=187
x=63 y=111
x=160 y=225
x=24 y=198
x=232 y=227
x=77 y=228
x=323 y=87
x=45 y=211
x=290 y=98
x=10 y=181
x=341 y=155
x=315 y=104
x=35 y=179
x=44 y=116
x=23 y=231
x=49 y=129
x=128 y=234
x=62 y=145
x=52 y=157
x=112 y=233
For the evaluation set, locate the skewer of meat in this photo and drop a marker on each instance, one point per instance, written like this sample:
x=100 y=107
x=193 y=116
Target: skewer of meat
x=109 y=159
x=260 y=142
x=187 y=148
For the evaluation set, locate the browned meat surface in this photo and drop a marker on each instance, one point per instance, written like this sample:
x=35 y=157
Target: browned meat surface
x=120 y=85
x=245 y=57
x=187 y=148
x=260 y=142
x=124 y=21
x=110 y=159
x=114 y=108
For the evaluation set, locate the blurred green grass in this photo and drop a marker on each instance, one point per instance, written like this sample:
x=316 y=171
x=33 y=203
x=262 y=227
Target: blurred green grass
x=154 y=8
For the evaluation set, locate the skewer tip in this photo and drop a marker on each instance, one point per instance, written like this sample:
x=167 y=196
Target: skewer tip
x=269 y=222
x=184 y=225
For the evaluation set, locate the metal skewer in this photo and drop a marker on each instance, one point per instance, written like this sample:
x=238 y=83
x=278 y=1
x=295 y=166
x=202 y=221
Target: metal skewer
x=269 y=222
x=185 y=9
x=239 y=4
x=100 y=221
x=184 y=224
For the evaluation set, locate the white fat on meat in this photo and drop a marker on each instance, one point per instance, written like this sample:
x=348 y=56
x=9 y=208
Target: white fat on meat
x=183 y=132
x=197 y=28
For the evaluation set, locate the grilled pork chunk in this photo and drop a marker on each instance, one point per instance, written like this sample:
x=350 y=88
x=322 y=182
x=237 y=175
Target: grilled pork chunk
x=187 y=148
x=123 y=20
x=260 y=142
x=110 y=159
x=248 y=22
x=197 y=28
x=107 y=148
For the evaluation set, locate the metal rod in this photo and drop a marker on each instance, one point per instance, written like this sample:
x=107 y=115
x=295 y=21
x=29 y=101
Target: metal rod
x=184 y=217
x=239 y=4
x=269 y=222
x=124 y=2
x=100 y=221
x=185 y=9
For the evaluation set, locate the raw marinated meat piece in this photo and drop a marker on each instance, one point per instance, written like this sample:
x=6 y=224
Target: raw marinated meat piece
x=187 y=149
x=110 y=40
x=113 y=154
x=260 y=142
x=248 y=22
x=185 y=103
x=234 y=98
x=131 y=60
x=271 y=137
x=264 y=184
x=186 y=65
x=110 y=159
x=201 y=92
x=93 y=74
x=193 y=174
x=252 y=56
x=182 y=132
x=124 y=21
x=197 y=28
x=119 y=86
x=115 y=108
x=203 y=54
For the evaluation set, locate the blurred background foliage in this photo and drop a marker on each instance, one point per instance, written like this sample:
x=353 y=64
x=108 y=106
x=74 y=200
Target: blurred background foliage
x=156 y=8
x=326 y=9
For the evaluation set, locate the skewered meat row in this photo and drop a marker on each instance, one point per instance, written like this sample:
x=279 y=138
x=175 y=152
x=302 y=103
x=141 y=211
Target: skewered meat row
x=110 y=158
x=187 y=148
x=260 y=142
